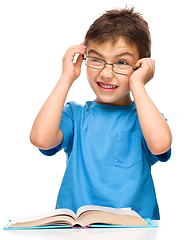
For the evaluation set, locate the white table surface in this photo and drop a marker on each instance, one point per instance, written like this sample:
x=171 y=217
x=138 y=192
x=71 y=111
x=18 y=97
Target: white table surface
x=166 y=230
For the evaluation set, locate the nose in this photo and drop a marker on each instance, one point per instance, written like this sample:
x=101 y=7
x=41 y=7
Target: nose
x=107 y=73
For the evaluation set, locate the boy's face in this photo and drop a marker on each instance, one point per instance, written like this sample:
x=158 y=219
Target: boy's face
x=111 y=88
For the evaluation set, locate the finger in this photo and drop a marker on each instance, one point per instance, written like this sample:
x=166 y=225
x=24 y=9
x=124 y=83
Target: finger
x=71 y=52
x=153 y=64
x=138 y=63
x=75 y=49
x=145 y=62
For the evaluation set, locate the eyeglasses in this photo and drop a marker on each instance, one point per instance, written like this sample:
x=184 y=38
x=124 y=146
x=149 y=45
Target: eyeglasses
x=120 y=68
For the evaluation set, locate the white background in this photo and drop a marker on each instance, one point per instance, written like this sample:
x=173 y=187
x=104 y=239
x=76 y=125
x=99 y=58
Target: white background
x=34 y=35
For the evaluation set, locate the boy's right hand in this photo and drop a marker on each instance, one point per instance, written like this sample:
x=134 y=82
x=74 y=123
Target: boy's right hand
x=71 y=70
x=45 y=133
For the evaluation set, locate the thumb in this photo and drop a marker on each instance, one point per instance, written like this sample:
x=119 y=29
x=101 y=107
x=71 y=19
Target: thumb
x=79 y=61
x=138 y=63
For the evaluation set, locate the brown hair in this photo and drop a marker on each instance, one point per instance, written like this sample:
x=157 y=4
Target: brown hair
x=121 y=23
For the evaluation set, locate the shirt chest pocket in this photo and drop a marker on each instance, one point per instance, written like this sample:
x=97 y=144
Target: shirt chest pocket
x=129 y=149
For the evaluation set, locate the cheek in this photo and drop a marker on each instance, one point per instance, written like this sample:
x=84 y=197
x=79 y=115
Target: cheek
x=124 y=82
x=91 y=75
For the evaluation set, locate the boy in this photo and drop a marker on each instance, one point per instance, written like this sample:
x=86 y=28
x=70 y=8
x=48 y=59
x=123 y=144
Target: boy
x=112 y=142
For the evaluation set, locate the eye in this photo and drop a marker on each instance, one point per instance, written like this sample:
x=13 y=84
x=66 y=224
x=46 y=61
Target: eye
x=122 y=63
x=95 y=60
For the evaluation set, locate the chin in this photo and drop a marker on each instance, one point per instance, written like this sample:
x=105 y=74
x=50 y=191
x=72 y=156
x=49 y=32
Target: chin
x=105 y=100
x=122 y=101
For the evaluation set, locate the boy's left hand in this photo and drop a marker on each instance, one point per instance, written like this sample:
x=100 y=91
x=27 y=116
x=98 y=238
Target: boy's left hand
x=144 y=73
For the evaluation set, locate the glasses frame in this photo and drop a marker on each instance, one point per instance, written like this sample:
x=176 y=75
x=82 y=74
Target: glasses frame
x=105 y=63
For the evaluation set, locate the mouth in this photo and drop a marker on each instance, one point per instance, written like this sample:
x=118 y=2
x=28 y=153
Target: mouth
x=107 y=86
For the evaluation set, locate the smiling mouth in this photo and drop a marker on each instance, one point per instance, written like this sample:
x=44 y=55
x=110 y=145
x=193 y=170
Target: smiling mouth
x=106 y=86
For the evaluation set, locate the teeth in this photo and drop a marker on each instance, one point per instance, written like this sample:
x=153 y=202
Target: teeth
x=107 y=86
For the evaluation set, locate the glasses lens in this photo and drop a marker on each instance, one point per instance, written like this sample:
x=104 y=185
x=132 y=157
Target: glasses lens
x=94 y=63
x=123 y=69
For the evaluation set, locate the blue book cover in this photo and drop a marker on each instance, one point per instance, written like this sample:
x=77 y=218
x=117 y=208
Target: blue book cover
x=151 y=224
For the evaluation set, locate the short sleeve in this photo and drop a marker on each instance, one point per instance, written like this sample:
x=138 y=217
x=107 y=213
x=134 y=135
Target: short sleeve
x=152 y=159
x=51 y=151
x=164 y=156
x=66 y=126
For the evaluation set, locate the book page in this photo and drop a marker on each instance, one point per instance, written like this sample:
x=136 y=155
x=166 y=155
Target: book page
x=30 y=218
x=123 y=211
x=93 y=216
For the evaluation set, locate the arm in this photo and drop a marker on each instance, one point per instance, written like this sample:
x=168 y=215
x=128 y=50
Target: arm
x=45 y=133
x=155 y=129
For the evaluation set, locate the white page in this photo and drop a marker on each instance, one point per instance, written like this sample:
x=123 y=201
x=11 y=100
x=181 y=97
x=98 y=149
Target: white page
x=30 y=218
x=124 y=211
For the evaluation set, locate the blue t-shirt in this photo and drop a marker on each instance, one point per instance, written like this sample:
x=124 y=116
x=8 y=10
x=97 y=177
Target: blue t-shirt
x=108 y=161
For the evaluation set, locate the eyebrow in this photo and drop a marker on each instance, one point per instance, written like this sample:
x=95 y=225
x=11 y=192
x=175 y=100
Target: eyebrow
x=125 y=53
x=119 y=55
x=95 y=52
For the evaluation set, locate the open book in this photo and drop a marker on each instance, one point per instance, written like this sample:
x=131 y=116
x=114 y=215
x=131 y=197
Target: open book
x=85 y=216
